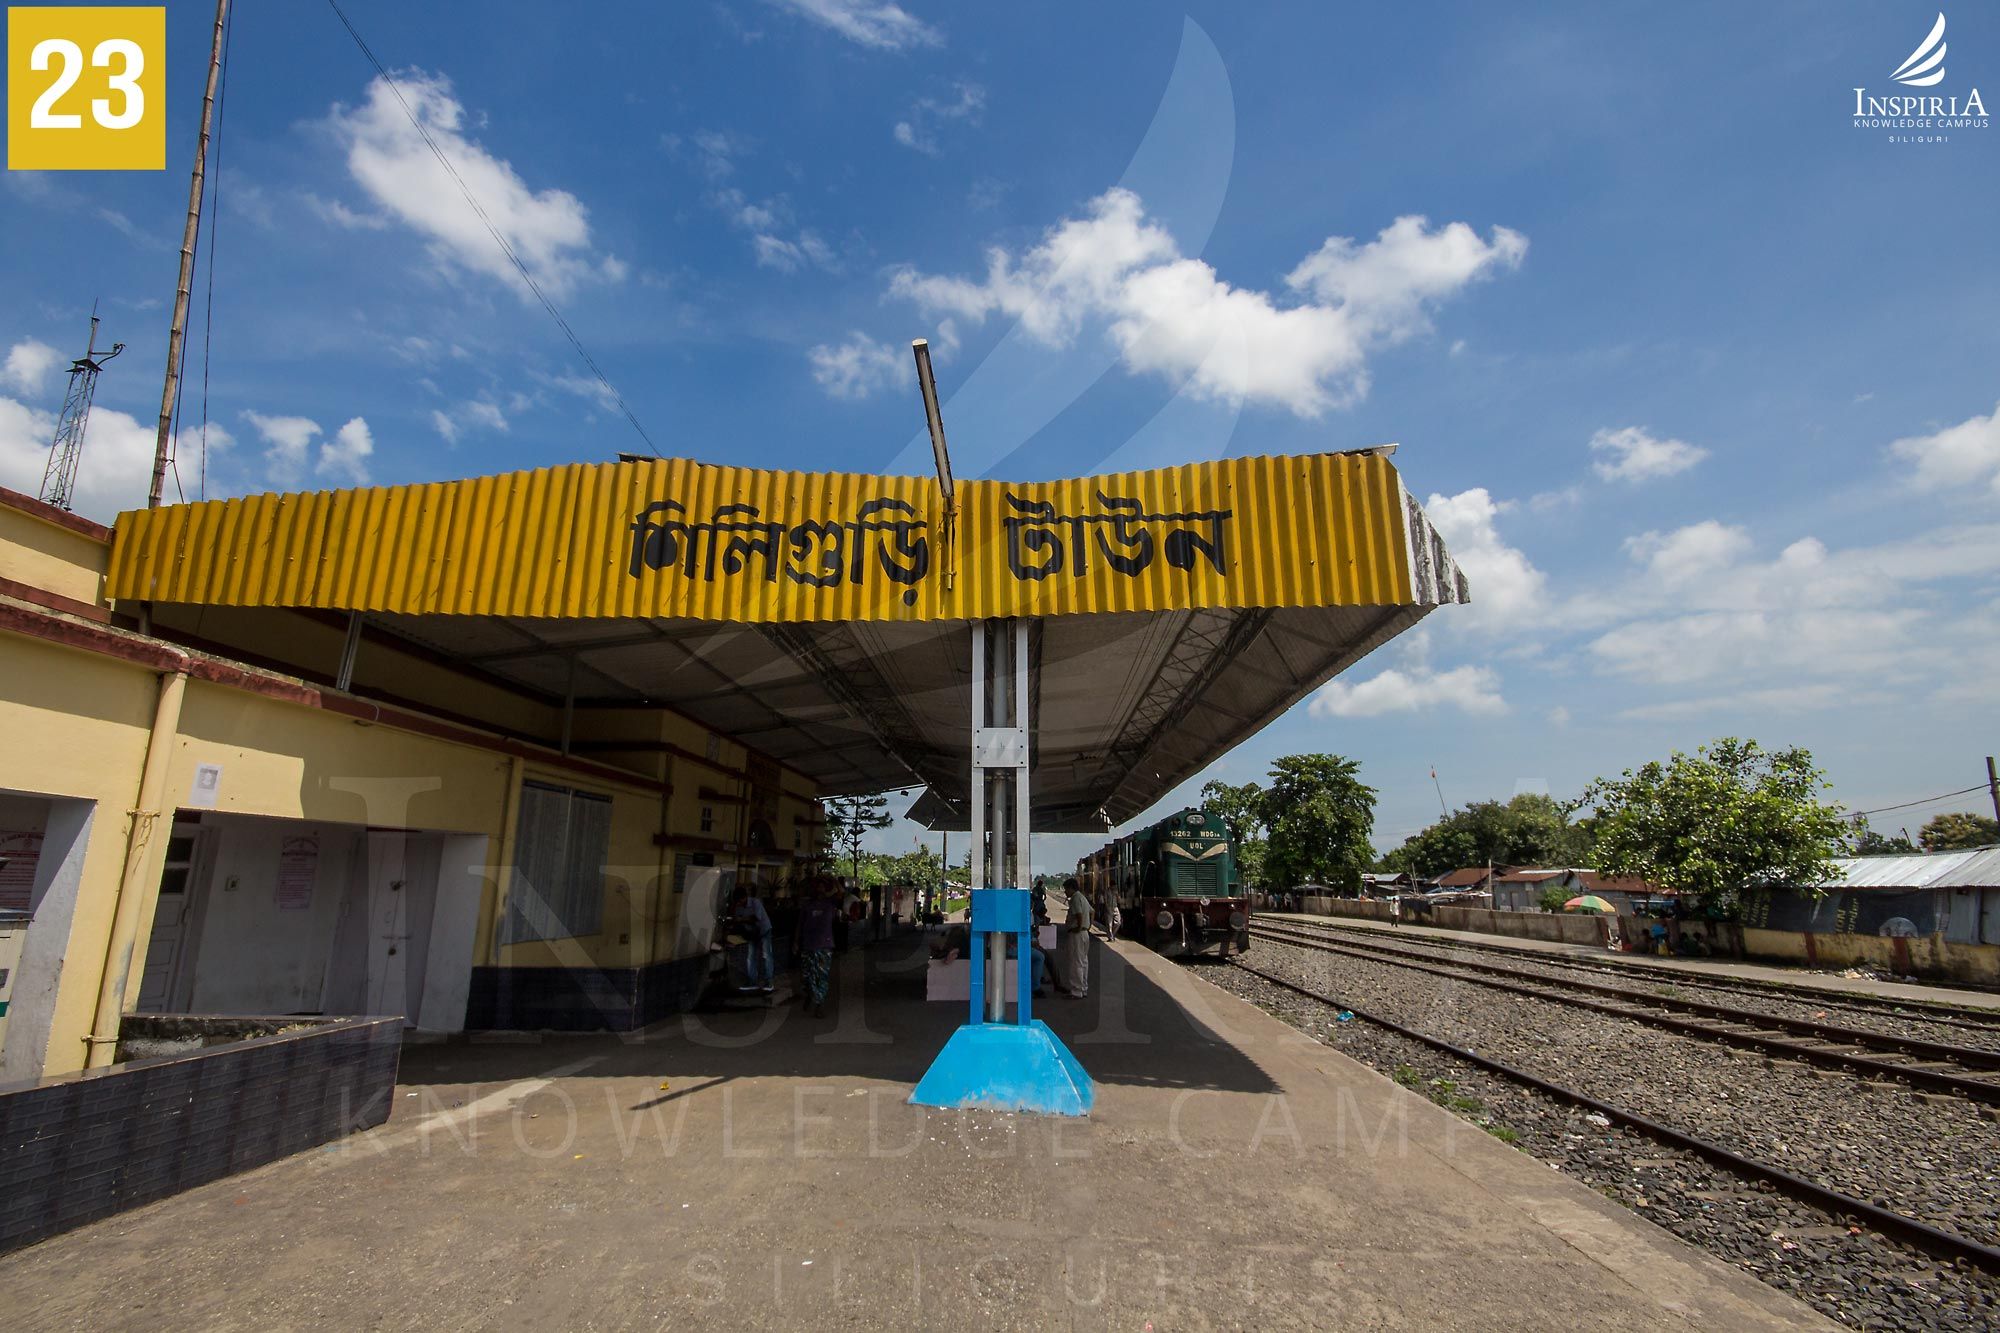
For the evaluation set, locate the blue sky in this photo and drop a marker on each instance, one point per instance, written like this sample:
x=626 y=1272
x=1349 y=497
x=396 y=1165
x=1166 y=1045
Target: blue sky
x=1698 y=375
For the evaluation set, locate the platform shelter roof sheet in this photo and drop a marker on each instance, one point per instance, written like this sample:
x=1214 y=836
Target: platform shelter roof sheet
x=822 y=619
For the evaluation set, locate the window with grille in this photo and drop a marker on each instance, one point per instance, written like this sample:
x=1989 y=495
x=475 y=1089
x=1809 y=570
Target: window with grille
x=559 y=853
x=708 y=819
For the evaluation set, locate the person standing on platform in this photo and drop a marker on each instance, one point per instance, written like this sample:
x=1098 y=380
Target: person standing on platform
x=755 y=923
x=1076 y=941
x=816 y=920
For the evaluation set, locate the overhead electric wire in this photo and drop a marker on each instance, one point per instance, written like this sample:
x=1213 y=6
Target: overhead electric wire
x=1928 y=800
x=499 y=239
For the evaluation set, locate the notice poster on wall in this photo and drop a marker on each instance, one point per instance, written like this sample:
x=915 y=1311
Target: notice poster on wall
x=20 y=853
x=298 y=864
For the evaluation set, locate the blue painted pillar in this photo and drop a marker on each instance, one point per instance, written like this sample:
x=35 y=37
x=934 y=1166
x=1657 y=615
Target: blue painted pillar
x=993 y=1061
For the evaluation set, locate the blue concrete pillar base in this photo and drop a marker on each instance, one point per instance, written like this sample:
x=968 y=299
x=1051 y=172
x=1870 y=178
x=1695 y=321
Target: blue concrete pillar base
x=1007 y=1067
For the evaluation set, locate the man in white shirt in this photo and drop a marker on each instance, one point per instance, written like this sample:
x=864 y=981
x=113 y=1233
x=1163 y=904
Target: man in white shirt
x=1076 y=941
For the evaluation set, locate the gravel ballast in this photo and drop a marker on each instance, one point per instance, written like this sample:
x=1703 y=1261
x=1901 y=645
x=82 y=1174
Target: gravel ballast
x=1931 y=1159
x=1906 y=1021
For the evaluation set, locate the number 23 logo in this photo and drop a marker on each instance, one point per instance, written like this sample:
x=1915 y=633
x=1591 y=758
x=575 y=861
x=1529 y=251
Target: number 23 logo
x=124 y=81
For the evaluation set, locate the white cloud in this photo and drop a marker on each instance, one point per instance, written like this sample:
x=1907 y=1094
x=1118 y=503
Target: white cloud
x=476 y=414
x=1470 y=689
x=1790 y=699
x=879 y=24
x=1704 y=607
x=1387 y=284
x=920 y=131
x=714 y=151
x=28 y=365
x=588 y=387
x=1631 y=454
x=548 y=229
x=484 y=414
x=1967 y=454
x=1558 y=716
x=340 y=215
x=1695 y=552
x=345 y=456
x=1173 y=316
x=765 y=220
x=289 y=442
x=1508 y=591
x=113 y=472
x=857 y=367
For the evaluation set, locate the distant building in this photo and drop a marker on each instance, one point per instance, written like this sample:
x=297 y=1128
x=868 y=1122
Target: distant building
x=1953 y=894
x=1520 y=888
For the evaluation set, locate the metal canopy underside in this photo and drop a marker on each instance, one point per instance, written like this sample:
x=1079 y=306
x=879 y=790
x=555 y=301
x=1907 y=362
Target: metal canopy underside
x=1127 y=706
x=822 y=618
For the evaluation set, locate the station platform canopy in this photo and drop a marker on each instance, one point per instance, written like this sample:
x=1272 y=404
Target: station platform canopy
x=821 y=617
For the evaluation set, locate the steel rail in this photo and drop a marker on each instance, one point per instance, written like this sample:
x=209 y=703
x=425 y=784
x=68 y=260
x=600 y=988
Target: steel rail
x=1930 y=1011
x=1976 y=1057
x=1931 y=1079
x=1922 y=1235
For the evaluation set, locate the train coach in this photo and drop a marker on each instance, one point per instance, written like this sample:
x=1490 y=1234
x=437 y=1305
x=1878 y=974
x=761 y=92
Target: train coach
x=1176 y=885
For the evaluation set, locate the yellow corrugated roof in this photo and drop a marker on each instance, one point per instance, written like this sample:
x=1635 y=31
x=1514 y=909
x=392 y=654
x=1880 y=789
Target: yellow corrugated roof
x=677 y=538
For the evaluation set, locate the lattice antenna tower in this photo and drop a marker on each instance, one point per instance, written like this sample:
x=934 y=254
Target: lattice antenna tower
x=59 y=478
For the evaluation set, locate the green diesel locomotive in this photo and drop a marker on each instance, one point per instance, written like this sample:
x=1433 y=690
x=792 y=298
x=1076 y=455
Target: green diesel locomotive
x=1176 y=885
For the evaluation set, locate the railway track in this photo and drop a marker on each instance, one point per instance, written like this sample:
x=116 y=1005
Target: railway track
x=1883 y=1007
x=1963 y=1071
x=1938 y=1242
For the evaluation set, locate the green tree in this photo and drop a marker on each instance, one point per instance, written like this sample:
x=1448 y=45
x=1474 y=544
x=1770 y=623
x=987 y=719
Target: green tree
x=1240 y=807
x=1552 y=897
x=1731 y=817
x=919 y=867
x=849 y=819
x=1319 y=814
x=1865 y=841
x=1530 y=830
x=1958 y=831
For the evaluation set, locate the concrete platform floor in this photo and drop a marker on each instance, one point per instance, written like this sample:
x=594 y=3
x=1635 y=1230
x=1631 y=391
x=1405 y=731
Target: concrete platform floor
x=755 y=1169
x=1719 y=967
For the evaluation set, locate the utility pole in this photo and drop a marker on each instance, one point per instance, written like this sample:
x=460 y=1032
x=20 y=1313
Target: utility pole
x=177 y=331
x=59 y=477
x=1993 y=786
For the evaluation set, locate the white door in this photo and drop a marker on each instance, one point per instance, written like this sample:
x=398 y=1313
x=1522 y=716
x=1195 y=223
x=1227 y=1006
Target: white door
x=170 y=921
x=388 y=926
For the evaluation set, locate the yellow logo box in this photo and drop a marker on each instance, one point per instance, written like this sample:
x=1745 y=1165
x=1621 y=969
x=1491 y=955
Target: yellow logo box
x=86 y=88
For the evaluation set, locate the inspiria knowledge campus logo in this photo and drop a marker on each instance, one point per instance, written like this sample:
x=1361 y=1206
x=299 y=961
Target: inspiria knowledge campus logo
x=1931 y=115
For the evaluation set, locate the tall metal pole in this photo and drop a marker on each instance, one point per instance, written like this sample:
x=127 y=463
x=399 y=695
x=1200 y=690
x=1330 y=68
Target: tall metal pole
x=998 y=714
x=1993 y=786
x=177 y=331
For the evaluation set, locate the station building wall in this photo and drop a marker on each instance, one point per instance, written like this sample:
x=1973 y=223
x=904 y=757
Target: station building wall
x=249 y=754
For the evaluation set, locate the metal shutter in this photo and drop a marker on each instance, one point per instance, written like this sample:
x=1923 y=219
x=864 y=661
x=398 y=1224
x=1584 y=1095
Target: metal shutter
x=560 y=848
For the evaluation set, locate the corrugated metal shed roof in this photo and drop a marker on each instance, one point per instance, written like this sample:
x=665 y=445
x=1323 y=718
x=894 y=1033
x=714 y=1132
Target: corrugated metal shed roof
x=679 y=539
x=1976 y=869
x=822 y=617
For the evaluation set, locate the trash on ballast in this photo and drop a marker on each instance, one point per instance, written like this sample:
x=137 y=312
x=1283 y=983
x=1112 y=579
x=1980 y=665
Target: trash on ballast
x=1345 y=1016
x=1600 y=1120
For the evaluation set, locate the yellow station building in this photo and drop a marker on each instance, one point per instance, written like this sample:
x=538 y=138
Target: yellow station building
x=482 y=753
